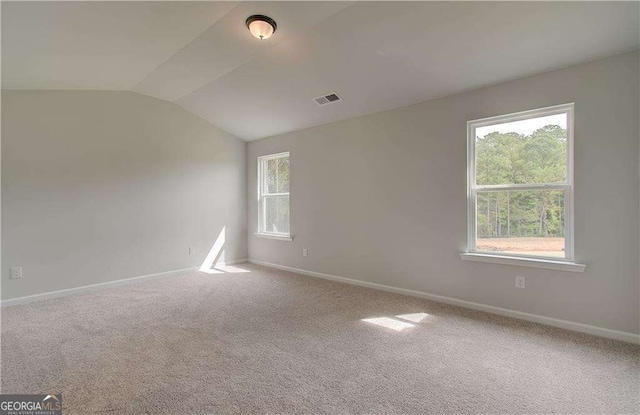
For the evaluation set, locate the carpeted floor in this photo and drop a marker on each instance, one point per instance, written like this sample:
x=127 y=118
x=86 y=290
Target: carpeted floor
x=266 y=341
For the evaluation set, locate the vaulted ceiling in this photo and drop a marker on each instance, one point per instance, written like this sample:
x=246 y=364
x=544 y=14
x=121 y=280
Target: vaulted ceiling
x=376 y=55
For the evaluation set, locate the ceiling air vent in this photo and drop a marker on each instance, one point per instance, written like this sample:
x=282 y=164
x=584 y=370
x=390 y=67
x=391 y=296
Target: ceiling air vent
x=327 y=99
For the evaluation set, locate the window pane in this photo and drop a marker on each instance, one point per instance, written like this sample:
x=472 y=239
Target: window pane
x=277 y=214
x=522 y=152
x=271 y=175
x=521 y=222
x=276 y=175
x=283 y=175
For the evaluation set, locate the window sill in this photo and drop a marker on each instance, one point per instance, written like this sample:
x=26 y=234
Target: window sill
x=523 y=262
x=274 y=236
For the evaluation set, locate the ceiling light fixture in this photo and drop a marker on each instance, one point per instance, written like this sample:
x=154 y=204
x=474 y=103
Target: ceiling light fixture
x=261 y=26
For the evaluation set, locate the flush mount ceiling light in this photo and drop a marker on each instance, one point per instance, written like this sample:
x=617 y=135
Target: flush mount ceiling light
x=261 y=26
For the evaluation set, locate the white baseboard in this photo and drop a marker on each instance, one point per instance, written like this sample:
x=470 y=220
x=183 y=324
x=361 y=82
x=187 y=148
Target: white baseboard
x=564 y=324
x=569 y=325
x=84 y=288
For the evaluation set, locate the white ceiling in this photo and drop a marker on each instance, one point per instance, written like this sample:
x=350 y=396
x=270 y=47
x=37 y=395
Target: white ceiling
x=376 y=55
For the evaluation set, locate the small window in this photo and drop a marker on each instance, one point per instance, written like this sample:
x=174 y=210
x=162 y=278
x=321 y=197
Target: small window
x=520 y=184
x=273 y=194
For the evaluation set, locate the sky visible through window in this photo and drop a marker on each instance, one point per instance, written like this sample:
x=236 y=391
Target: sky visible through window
x=524 y=127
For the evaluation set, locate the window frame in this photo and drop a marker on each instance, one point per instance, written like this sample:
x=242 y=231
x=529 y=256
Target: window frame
x=263 y=194
x=567 y=187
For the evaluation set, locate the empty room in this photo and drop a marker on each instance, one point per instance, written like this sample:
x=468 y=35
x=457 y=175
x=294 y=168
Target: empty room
x=320 y=207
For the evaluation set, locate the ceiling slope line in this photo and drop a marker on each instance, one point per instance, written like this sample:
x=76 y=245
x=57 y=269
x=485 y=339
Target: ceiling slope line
x=214 y=22
x=259 y=55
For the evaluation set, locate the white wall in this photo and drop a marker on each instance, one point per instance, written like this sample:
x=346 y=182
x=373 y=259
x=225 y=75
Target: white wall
x=101 y=186
x=382 y=198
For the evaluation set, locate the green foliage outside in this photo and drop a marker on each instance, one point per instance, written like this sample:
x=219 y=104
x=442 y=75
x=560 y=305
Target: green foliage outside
x=512 y=158
x=277 y=207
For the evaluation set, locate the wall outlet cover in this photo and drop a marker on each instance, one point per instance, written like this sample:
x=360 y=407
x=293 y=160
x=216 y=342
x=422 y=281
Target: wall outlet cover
x=16 y=273
x=520 y=282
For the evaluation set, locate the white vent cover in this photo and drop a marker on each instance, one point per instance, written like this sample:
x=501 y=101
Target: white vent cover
x=327 y=99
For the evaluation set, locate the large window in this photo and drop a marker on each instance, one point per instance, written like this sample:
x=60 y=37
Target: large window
x=520 y=185
x=273 y=195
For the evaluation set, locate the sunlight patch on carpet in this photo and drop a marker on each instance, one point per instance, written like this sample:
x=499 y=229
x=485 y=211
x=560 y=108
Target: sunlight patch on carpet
x=415 y=317
x=225 y=269
x=389 y=323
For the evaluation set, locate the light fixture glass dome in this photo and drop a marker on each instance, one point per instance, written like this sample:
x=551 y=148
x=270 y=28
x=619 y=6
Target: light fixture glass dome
x=261 y=26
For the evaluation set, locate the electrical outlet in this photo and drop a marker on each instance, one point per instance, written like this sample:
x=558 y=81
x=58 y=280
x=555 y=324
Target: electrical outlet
x=520 y=282
x=16 y=273
x=192 y=250
x=305 y=252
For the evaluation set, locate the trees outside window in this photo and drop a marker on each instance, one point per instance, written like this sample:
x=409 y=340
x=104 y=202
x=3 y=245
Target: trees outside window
x=273 y=194
x=520 y=183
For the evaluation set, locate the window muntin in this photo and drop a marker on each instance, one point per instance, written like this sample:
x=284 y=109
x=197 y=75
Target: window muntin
x=520 y=184
x=273 y=194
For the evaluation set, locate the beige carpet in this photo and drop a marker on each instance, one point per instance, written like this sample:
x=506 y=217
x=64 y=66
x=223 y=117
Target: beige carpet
x=266 y=341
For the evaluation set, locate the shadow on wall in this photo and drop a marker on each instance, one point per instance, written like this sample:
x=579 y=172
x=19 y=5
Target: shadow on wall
x=214 y=263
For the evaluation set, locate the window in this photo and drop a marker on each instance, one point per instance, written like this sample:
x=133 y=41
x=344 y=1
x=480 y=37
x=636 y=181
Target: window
x=520 y=184
x=273 y=195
